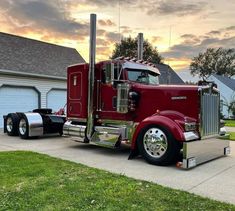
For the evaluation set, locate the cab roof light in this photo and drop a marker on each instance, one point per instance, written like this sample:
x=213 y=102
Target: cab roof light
x=133 y=59
x=119 y=58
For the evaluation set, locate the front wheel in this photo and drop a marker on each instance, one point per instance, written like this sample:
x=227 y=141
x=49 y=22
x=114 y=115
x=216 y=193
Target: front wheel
x=158 y=146
x=23 y=128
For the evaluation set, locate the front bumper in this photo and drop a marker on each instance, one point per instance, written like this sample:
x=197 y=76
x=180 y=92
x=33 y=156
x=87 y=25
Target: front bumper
x=201 y=151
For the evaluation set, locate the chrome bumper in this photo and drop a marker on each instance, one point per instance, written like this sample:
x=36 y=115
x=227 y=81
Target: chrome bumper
x=201 y=151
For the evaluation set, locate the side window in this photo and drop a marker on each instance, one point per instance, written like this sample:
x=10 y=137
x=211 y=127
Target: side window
x=117 y=71
x=110 y=72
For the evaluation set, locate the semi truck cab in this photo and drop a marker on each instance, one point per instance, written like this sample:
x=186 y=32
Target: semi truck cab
x=163 y=123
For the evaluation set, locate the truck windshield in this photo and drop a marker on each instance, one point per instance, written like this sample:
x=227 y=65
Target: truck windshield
x=143 y=76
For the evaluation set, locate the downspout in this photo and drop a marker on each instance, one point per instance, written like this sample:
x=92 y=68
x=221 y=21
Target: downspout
x=90 y=111
x=140 y=46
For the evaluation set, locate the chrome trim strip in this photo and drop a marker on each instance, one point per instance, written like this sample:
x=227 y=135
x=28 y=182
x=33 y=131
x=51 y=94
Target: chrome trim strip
x=77 y=119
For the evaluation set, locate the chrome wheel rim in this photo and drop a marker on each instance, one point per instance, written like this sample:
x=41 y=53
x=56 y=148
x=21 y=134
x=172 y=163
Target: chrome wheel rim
x=22 y=127
x=155 y=142
x=9 y=124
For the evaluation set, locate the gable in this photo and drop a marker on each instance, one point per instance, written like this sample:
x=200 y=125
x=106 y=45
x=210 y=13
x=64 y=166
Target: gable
x=25 y=55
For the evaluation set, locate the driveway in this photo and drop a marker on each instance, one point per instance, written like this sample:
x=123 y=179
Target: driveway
x=215 y=179
x=230 y=129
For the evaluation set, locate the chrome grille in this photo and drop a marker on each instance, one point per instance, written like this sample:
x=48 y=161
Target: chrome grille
x=210 y=121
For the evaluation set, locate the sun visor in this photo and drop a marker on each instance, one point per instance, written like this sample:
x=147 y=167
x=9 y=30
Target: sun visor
x=139 y=66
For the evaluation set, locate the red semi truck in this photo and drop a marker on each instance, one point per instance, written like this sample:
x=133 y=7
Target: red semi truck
x=120 y=101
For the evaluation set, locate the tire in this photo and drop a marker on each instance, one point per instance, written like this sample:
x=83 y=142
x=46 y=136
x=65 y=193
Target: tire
x=23 y=128
x=12 y=122
x=158 y=146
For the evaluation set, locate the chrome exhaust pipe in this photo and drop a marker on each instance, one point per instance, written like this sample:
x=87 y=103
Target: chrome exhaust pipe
x=90 y=111
x=140 y=46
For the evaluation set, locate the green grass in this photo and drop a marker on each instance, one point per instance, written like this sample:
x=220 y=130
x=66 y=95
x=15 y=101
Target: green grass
x=31 y=181
x=232 y=136
x=230 y=123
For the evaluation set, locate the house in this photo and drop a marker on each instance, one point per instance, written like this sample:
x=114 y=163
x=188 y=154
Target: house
x=227 y=92
x=33 y=74
x=168 y=75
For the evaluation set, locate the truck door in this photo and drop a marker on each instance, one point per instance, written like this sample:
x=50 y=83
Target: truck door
x=77 y=86
x=108 y=92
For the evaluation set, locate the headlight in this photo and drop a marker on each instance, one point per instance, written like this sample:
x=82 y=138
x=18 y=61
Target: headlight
x=190 y=126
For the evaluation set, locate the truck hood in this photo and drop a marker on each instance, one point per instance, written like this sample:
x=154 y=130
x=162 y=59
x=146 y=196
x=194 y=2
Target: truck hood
x=157 y=98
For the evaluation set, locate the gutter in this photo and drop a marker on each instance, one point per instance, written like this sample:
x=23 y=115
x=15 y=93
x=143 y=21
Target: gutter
x=16 y=73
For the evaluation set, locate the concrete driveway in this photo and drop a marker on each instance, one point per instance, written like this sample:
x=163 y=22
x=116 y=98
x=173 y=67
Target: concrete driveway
x=215 y=179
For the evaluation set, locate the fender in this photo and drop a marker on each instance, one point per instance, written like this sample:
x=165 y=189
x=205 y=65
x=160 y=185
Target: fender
x=160 y=120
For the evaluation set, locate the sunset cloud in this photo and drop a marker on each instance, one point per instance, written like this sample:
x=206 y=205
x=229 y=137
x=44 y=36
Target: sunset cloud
x=106 y=23
x=172 y=7
x=195 y=25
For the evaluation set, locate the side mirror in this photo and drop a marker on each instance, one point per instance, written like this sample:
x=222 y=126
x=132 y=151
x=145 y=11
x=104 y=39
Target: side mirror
x=109 y=73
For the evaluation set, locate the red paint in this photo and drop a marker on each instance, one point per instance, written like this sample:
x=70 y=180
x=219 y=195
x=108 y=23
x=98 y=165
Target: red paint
x=174 y=104
x=153 y=98
x=162 y=121
x=77 y=91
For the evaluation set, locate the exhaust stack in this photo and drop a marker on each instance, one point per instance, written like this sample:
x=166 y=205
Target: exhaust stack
x=140 y=46
x=90 y=118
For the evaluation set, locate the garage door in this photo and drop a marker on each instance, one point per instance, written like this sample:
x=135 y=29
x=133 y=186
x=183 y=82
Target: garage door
x=17 y=99
x=56 y=99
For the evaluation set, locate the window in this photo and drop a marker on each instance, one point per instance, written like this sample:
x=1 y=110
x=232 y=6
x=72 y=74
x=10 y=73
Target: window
x=143 y=76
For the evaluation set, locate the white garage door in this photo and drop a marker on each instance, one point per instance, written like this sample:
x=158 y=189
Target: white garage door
x=17 y=99
x=56 y=99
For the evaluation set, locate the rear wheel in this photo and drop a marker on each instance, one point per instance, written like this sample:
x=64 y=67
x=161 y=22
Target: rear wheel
x=158 y=146
x=23 y=128
x=12 y=122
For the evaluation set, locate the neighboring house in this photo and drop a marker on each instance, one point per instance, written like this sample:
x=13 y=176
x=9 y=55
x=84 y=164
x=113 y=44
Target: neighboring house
x=168 y=75
x=33 y=74
x=227 y=91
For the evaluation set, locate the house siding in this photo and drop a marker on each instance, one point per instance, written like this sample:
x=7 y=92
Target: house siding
x=42 y=85
x=226 y=94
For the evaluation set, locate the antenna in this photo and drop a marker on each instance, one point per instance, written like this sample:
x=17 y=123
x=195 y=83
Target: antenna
x=119 y=20
x=170 y=37
x=140 y=46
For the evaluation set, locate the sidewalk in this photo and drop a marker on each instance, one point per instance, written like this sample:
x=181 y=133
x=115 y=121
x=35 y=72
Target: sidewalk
x=230 y=129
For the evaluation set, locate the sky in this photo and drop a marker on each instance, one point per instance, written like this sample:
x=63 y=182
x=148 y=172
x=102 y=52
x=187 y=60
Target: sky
x=178 y=29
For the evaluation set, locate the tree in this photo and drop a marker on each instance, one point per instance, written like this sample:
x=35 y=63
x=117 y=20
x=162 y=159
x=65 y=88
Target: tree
x=214 y=61
x=128 y=48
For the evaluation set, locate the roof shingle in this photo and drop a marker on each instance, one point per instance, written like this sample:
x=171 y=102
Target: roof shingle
x=168 y=75
x=31 y=56
x=227 y=81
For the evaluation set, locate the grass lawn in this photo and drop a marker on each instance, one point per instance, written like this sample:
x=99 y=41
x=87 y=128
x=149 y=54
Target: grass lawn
x=231 y=136
x=230 y=123
x=31 y=181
